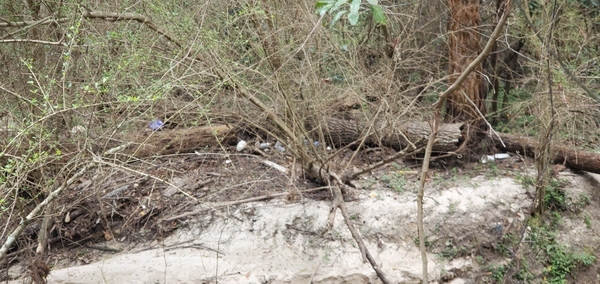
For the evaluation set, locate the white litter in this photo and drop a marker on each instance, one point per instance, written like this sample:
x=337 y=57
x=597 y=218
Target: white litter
x=491 y=158
x=241 y=146
x=279 y=147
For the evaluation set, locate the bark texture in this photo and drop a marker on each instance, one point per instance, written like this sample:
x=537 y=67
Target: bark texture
x=185 y=140
x=464 y=46
x=572 y=158
x=450 y=138
x=341 y=132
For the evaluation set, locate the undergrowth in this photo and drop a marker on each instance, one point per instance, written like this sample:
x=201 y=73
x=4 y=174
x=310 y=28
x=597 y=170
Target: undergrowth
x=543 y=245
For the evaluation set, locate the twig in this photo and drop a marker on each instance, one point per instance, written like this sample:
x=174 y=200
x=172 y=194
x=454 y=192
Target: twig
x=338 y=202
x=238 y=202
x=383 y=162
x=312 y=277
x=438 y=107
x=486 y=50
x=21 y=40
x=484 y=119
x=99 y=160
x=556 y=57
x=107 y=16
x=12 y=237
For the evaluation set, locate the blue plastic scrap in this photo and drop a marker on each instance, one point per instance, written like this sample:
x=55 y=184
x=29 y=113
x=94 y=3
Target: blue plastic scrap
x=156 y=124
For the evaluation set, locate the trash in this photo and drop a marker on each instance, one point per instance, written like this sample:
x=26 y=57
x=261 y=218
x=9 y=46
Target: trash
x=156 y=124
x=264 y=145
x=279 y=146
x=490 y=158
x=501 y=156
x=316 y=143
x=241 y=146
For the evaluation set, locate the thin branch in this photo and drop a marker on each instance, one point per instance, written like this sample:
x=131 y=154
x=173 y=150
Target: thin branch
x=438 y=108
x=12 y=237
x=238 y=202
x=384 y=162
x=492 y=131
x=486 y=50
x=20 y=40
x=557 y=58
x=107 y=16
x=338 y=202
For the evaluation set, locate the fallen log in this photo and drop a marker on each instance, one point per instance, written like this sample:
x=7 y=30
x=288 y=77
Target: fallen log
x=572 y=158
x=341 y=132
x=173 y=141
x=143 y=143
x=449 y=139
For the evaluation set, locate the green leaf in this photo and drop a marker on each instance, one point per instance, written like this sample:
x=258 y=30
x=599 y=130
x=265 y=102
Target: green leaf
x=378 y=14
x=322 y=3
x=354 y=6
x=337 y=5
x=337 y=16
x=324 y=9
x=353 y=16
x=324 y=6
x=372 y=2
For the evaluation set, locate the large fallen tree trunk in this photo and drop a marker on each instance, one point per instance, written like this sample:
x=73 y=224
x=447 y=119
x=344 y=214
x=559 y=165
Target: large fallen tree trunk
x=340 y=132
x=184 y=140
x=449 y=139
x=572 y=158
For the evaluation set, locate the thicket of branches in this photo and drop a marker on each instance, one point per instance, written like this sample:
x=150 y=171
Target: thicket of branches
x=76 y=74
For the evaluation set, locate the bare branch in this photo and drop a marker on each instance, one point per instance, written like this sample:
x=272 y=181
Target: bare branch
x=10 y=240
x=19 y=40
x=107 y=16
x=486 y=50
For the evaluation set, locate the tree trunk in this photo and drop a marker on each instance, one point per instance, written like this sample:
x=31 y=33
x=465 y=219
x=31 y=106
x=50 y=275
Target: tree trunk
x=396 y=135
x=572 y=158
x=185 y=140
x=467 y=103
x=450 y=138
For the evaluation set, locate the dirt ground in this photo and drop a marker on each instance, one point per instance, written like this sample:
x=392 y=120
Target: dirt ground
x=211 y=217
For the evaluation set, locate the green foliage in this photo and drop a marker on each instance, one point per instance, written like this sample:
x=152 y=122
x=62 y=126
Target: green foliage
x=583 y=201
x=451 y=251
x=395 y=180
x=560 y=260
x=588 y=221
x=556 y=197
x=497 y=272
x=342 y=7
x=524 y=274
x=563 y=261
x=428 y=242
x=526 y=181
